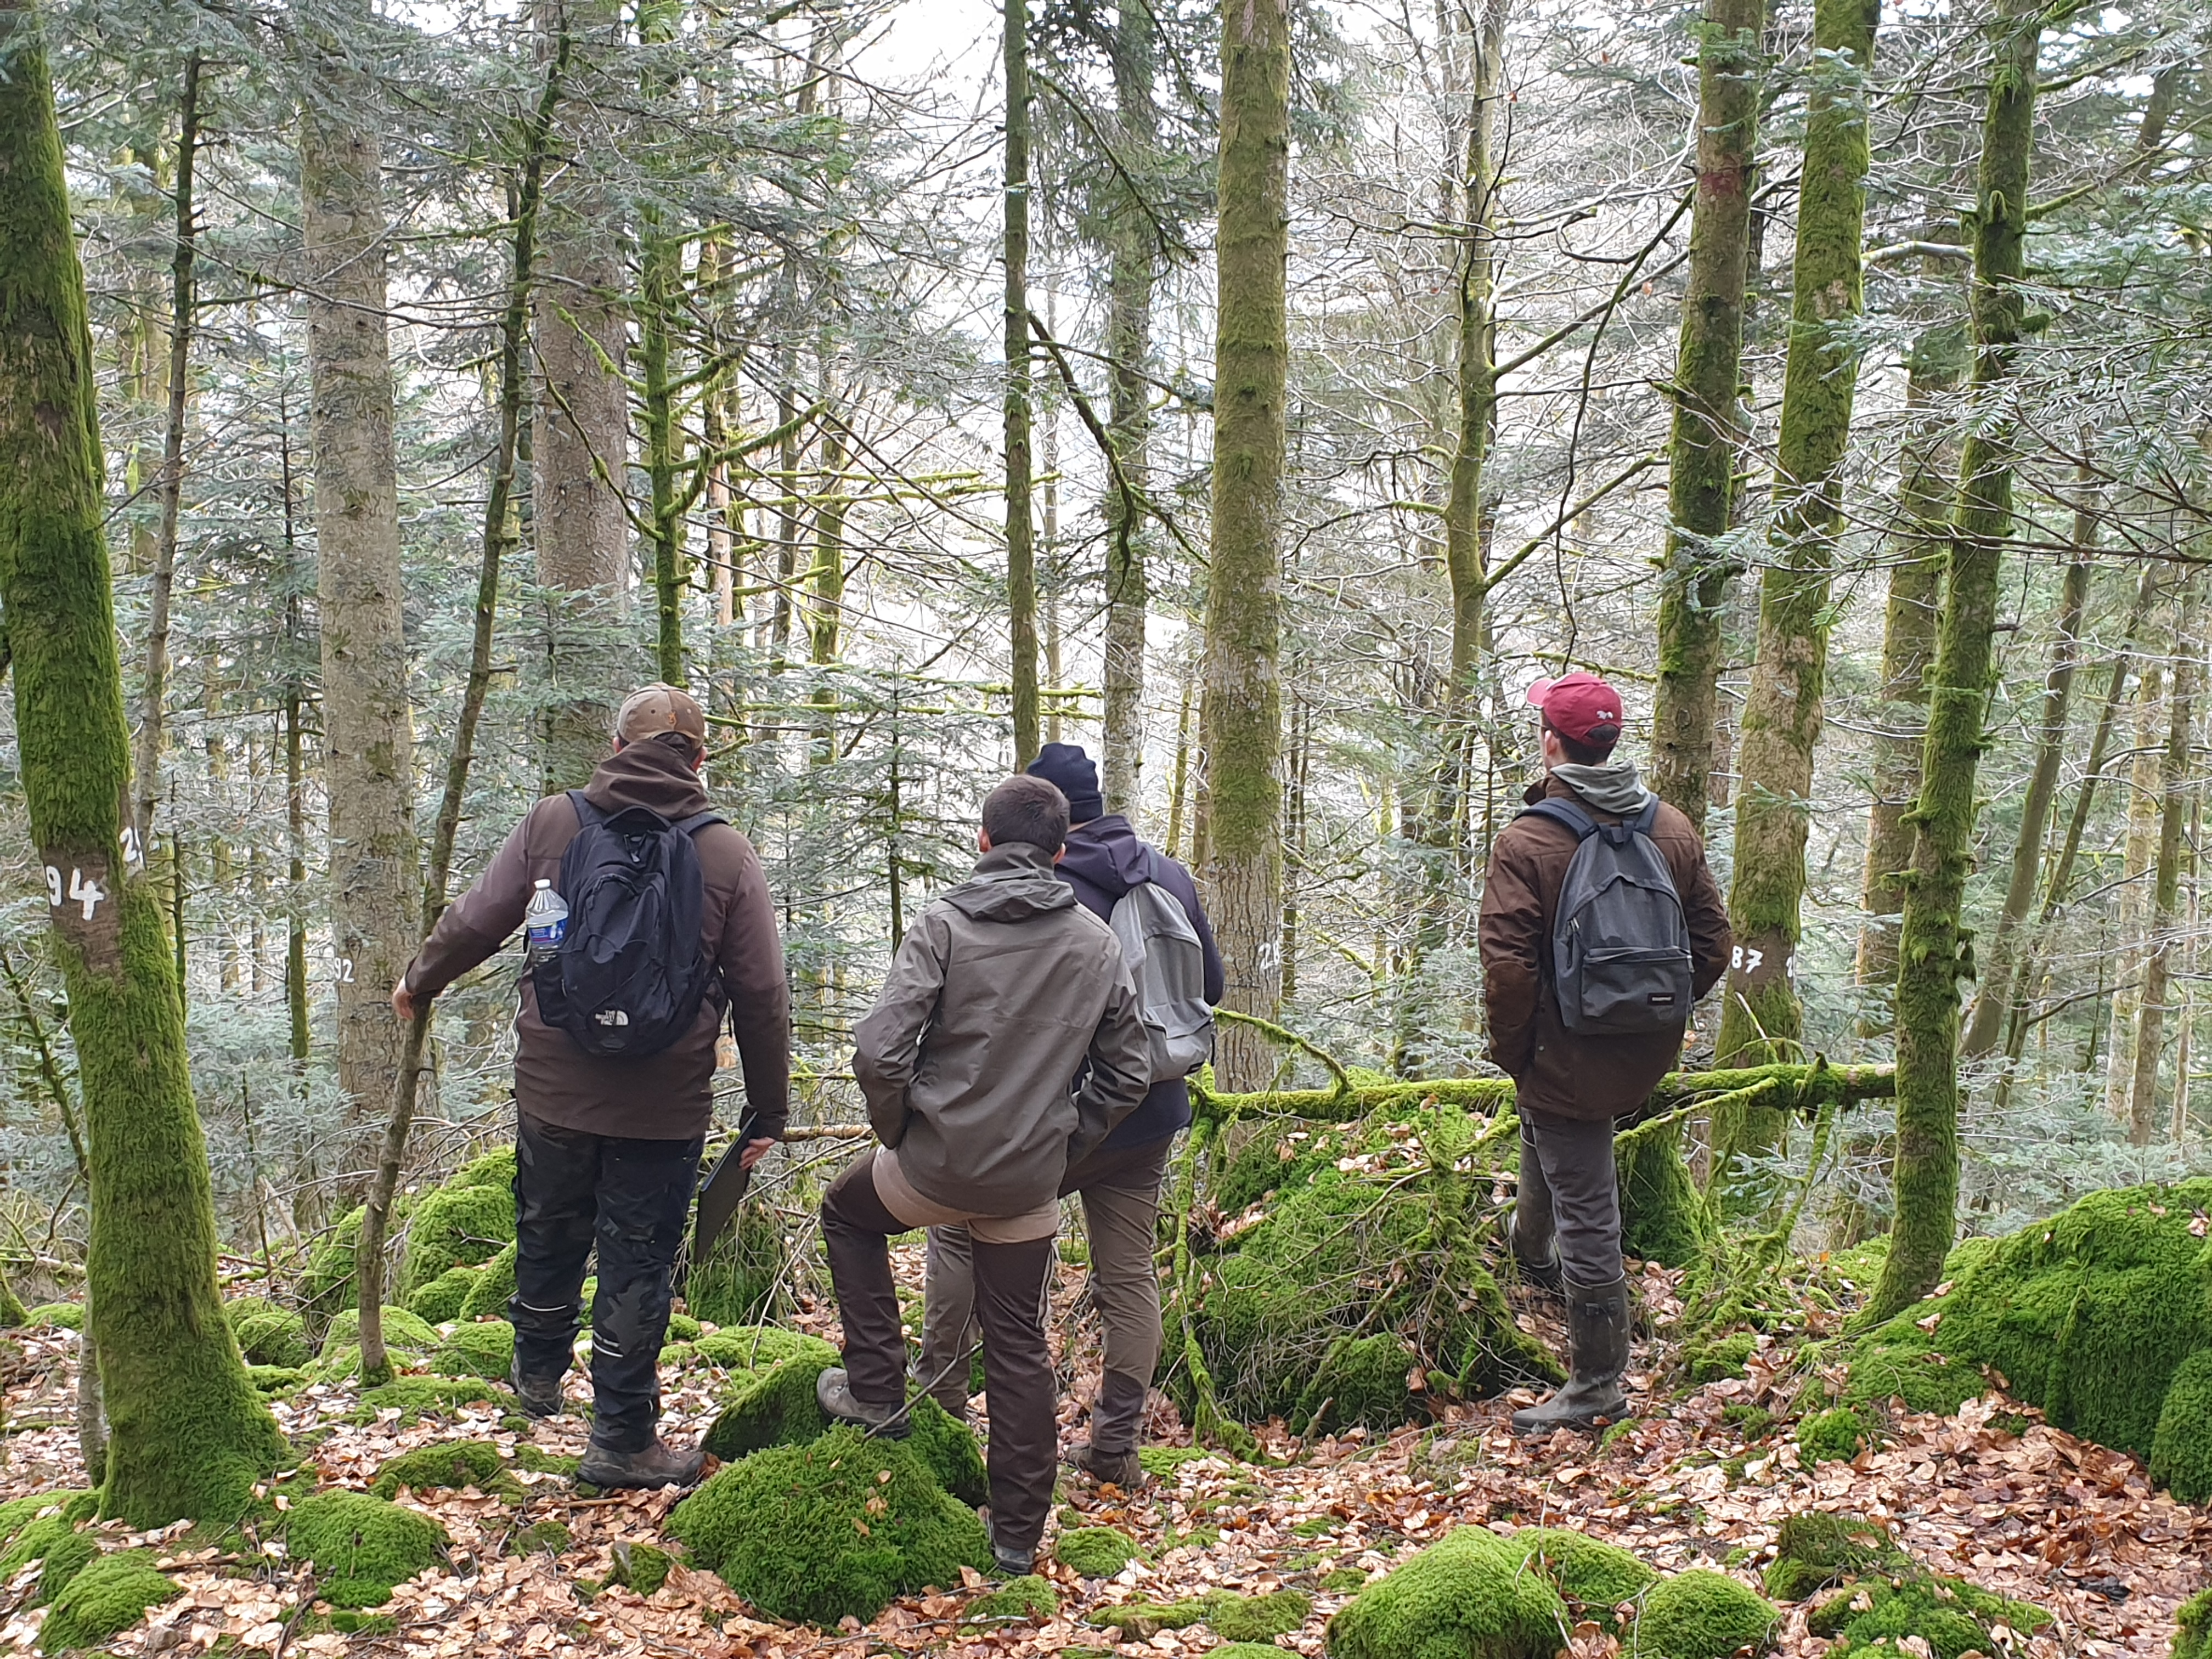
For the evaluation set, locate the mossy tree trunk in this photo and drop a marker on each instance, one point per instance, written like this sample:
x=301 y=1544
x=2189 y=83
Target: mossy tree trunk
x=368 y=739
x=2144 y=1119
x=1021 y=546
x=1702 y=446
x=1934 y=957
x=1908 y=646
x=189 y=1435
x=1239 y=718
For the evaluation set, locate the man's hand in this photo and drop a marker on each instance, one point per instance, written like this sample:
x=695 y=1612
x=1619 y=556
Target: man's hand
x=403 y=1001
x=754 y=1152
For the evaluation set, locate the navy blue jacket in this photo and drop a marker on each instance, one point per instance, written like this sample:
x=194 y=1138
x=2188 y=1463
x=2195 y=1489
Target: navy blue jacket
x=1104 y=859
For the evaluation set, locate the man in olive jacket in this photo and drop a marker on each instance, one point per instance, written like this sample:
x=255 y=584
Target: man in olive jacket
x=1567 y=1224
x=999 y=993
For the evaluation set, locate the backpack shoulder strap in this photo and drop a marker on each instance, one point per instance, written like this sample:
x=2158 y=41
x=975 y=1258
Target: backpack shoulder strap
x=1562 y=812
x=698 y=820
x=586 y=814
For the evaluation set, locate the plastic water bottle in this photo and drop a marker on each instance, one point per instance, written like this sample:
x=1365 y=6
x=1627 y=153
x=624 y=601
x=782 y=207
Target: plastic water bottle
x=547 y=919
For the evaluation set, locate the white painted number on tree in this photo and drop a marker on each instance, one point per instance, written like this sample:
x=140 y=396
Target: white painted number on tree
x=86 y=893
x=345 y=970
x=1746 y=962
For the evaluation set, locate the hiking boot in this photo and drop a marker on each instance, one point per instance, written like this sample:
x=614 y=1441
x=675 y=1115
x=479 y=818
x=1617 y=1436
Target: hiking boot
x=540 y=1396
x=833 y=1392
x=657 y=1464
x=1013 y=1562
x=1597 y=1339
x=1123 y=1469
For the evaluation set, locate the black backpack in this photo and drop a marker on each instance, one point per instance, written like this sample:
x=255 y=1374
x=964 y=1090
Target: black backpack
x=1621 y=948
x=629 y=974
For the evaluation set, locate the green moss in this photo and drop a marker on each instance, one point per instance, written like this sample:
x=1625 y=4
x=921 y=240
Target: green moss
x=1161 y=1463
x=18 y=1513
x=1246 y=1651
x=1029 y=1596
x=1094 y=1551
x=455 y=1464
x=1663 y=1218
x=1836 y=1436
x=1701 y=1615
x=1257 y=1617
x=1140 y=1621
x=2181 y=1451
x=57 y=1315
x=1815 y=1549
x=106 y=1599
x=415 y=1396
x=12 y=1310
x=493 y=1169
x=1339 y=1581
x=402 y=1330
x=443 y=1297
x=485 y=1349
x=756 y=1348
x=947 y=1448
x=1896 y=1361
x=540 y=1538
x=2193 y=1632
x=832 y=1530
x=455 y=1227
x=682 y=1328
x=1467 y=1596
x=1716 y=1358
x=1592 y=1578
x=772 y=1408
x=742 y=1280
x=275 y=1336
x=493 y=1284
x=39 y=1541
x=327 y=1285
x=1953 y=1618
x=70 y=1555
x=641 y=1567
x=361 y=1546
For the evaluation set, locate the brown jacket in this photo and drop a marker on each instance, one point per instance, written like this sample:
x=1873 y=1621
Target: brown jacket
x=663 y=1097
x=1587 y=1078
x=998 y=993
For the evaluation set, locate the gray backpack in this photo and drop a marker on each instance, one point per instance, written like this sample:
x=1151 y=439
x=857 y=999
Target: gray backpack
x=1167 y=965
x=1620 y=949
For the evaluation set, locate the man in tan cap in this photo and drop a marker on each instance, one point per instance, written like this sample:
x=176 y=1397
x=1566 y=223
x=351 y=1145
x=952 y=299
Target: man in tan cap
x=615 y=1054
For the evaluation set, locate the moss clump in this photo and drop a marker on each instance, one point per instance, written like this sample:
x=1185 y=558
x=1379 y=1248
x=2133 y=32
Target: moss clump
x=756 y=1348
x=2193 y=1632
x=1094 y=1551
x=540 y=1538
x=271 y=1381
x=1342 y=1581
x=34 y=1543
x=947 y=1449
x=106 y=1599
x=772 y=1408
x=742 y=1280
x=485 y=1349
x=1361 y=1380
x=455 y=1227
x=457 y=1463
x=830 y=1530
x=1593 y=1579
x=70 y=1555
x=414 y=1396
x=327 y=1285
x=17 y=1513
x=443 y=1297
x=1663 y=1218
x=1029 y=1596
x=1161 y=1463
x=641 y=1567
x=1953 y=1617
x=488 y=1290
x=1245 y=1650
x=1140 y=1621
x=493 y=1169
x=1836 y=1436
x=1716 y=1358
x=57 y=1315
x=682 y=1328
x=1896 y=1361
x=1467 y=1596
x=402 y=1330
x=1701 y=1615
x=361 y=1546
x=2181 y=1451
x=270 y=1335
x=1815 y=1549
x=1257 y=1617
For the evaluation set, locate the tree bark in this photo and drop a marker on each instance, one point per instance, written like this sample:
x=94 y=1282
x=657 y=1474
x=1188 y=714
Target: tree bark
x=189 y=1436
x=1707 y=429
x=1934 y=958
x=2138 y=854
x=2143 y=1117
x=1241 y=715
x=367 y=729
x=1021 y=548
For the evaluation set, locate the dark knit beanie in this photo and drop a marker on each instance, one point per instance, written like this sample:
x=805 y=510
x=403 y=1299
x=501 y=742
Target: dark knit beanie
x=1066 y=765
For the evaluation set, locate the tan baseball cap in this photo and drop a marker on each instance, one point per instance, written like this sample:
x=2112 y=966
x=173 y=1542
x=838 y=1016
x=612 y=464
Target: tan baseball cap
x=652 y=709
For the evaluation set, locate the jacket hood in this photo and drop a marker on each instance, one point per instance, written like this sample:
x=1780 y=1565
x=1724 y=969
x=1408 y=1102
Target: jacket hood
x=650 y=775
x=1107 y=854
x=1613 y=788
x=1011 y=883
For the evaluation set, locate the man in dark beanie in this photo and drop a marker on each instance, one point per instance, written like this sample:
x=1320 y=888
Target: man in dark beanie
x=1120 y=1184
x=1002 y=992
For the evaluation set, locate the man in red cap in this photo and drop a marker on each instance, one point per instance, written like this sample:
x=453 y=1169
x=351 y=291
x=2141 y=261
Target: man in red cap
x=1600 y=926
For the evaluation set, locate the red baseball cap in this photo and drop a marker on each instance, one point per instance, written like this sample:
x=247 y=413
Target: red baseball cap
x=1575 y=705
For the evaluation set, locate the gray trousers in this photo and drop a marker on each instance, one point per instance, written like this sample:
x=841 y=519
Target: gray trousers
x=1120 y=1191
x=1570 y=1188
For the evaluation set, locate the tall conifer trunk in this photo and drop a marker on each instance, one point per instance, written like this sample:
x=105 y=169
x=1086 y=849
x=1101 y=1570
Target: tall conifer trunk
x=1021 y=545
x=189 y=1436
x=367 y=724
x=1241 y=717
x=2144 y=1119
x=1933 y=959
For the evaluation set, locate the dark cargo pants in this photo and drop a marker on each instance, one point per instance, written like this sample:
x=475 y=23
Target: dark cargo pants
x=1569 y=1186
x=630 y=1198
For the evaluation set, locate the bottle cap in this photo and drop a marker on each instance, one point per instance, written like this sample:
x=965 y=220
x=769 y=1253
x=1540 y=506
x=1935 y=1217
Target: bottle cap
x=542 y=884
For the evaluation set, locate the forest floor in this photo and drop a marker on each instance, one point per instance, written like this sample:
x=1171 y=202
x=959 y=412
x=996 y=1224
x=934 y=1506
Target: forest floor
x=2038 y=1516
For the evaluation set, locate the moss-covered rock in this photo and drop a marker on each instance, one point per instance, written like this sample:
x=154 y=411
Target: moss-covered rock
x=489 y=1291
x=1815 y=1549
x=417 y=1396
x=832 y=1530
x=455 y=1226
x=18 y=1513
x=2181 y=1449
x=682 y=1328
x=57 y=1315
x=947 y=1448
x=2193 y=1631
x=1257 y=1617
x=1243 y=1651
x=1712 y=1359
x=275 y=1336
x=1094 y=1551
x=402 y=1330
x=55 y=1542
x=1029 y=1596
x=1834 y=1435
x=1140 y=1621
x=774 y=1406
x=361 y=1546
x=485 y=1349
x=1663 y=1218
x=327 y=1285
x=450 y=1465
x=756 y=1348
x=1953 y=1617
x=444 y=1297
x=1701 y=1615
x=71 y=1554
x=493 y=1169
x=641 y=1567
x=1592 y=1578
x=540 y=1538
x=107 y=1598
x=1467 y=1596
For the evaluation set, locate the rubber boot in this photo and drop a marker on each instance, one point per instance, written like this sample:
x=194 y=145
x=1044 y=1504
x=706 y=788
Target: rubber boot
x=1117 y=1416
x=657 y=1464
x=1597 y=1338
x=1534 y=1245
